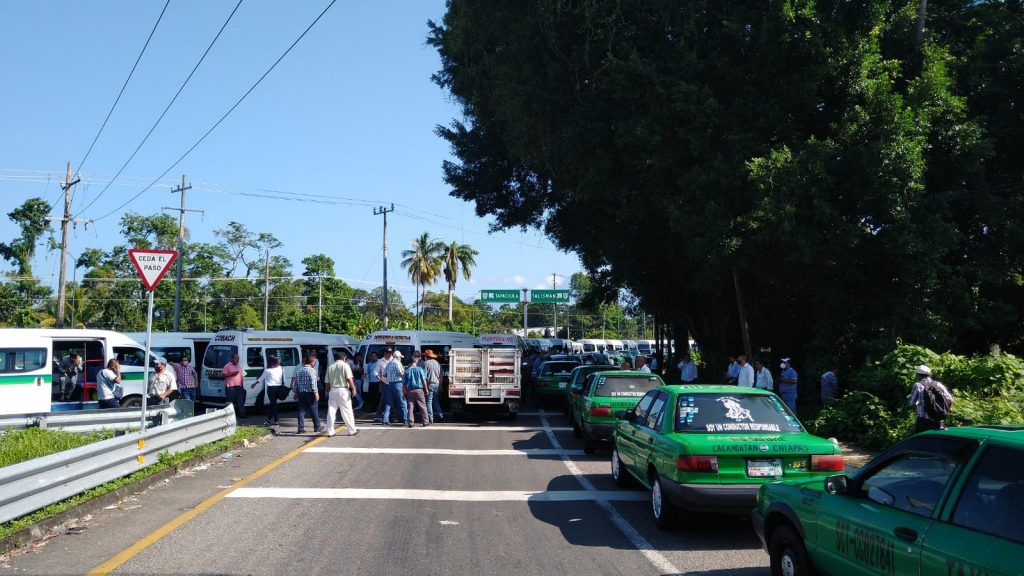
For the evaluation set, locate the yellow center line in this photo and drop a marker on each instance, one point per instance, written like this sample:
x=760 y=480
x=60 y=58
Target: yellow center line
x=147 y=541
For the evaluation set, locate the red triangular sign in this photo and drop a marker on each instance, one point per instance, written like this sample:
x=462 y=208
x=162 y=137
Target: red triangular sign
x=152 y=265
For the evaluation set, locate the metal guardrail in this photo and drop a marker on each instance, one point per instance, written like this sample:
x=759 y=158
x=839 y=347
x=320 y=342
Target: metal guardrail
x=28 y=486
x=91 y=420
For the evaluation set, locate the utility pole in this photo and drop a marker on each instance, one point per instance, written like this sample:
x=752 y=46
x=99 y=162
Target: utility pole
x=67 y=219
x=922 y=11
x=526 y=306
x=378 y=212
x=266 y=289
x=320 y=304
x=181 y=249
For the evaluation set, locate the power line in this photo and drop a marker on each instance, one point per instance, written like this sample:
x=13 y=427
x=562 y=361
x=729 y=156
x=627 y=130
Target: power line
x=168 y=107
x=226 y=114
x=123 y=86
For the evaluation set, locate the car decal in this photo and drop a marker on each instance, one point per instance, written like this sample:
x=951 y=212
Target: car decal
x=733 y=409
x=867 y=548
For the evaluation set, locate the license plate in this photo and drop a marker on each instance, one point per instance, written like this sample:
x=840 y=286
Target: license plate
x=562 y=385
x=768 y=468
x=483 y=392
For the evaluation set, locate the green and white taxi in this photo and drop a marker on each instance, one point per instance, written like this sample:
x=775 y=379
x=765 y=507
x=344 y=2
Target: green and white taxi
x=553 y=379
x=946 y=502
x=710 y=448
x=604 y=394
x=576 y=381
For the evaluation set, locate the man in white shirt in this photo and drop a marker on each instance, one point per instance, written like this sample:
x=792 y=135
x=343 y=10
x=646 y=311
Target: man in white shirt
x=342 y=388
x=687 y=369
x=641 y=364
x=763 y=377
x=745 y=379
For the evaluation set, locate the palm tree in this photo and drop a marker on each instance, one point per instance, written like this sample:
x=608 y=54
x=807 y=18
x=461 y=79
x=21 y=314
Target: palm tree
x=457 y=256
x=423 y=263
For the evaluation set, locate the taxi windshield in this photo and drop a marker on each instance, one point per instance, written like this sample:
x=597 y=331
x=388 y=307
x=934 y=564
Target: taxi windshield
x=557 y=368
x=626 y=386
x=723 y=412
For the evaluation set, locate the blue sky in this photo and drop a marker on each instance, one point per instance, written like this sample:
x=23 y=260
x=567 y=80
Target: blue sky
x=348 y=114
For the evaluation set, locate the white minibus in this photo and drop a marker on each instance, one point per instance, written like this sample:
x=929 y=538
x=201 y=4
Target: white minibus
x=26 y=374
x=176 y=345
x=253 y=348
x=593 y=344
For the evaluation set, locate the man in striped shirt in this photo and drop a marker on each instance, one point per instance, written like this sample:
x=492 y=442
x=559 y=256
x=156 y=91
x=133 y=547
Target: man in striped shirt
x=187 y=378
x=304 y=386
x=393 y=373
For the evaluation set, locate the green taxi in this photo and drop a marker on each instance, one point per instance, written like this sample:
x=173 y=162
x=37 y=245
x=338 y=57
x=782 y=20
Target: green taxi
x=553 y=379
x=711 y=447
x=604 y=394
x=576 y=380
x=941 y=502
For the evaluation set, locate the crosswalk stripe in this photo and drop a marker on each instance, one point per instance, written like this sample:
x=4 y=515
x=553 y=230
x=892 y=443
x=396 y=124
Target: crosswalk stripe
x=443 y=451
x=437 y=495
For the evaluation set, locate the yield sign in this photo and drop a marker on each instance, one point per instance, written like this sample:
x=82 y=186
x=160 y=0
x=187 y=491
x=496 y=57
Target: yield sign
x=152 y=265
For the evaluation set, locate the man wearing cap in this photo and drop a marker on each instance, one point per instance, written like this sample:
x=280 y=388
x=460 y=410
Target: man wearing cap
x=787 y=384
x=923 y=382
x=393 y=373
x=162 y=383
x=433 y=369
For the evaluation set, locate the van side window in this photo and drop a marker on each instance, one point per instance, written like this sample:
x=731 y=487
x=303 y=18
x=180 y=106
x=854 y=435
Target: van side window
x=287 y=356
x=254 y=357
x=14 y=360
x=128 y=356
x=173 y=353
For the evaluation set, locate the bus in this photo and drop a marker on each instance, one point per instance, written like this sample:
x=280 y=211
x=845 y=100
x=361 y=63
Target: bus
x=95 y=348
x=253 y=348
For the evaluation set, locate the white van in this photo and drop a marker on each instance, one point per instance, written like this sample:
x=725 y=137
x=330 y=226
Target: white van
x=502 y=341
x=646 y=347
x=615 y=345
x=409 y=341
x=176 y=345
x=253 y=348
x=26 y=374
x=631 y=346
x=96 y=348
x=593 y=344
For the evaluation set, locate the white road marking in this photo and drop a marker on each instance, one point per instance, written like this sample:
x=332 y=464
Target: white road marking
x=639 y=542
x=436 y=495
x=468 y=428
x=442 y=451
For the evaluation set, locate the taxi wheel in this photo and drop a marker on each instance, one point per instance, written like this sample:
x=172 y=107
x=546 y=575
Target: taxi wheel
x=619 y=474
x=664 y=512
x=788 y=555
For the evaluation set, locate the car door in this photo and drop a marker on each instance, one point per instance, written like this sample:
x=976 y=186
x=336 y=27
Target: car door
x=878 y=526
x=982 y=531
x=646 y=436
x=627 y=431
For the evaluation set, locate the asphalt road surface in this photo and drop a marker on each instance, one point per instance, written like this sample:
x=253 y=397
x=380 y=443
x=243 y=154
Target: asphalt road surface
x=475 y=497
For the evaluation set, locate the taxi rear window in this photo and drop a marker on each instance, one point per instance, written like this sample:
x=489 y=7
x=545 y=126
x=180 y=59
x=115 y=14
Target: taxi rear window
x=626 y=386
x=718 y=412
x=558 y=368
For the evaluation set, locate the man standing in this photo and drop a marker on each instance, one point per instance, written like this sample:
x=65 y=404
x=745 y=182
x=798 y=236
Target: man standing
x=829 y=387
x=357 y=376
x=161 y=383
x=762 y=376
x=304 y=386
x=341 y=388
x=187 y=378
x=641 y=364
x=392 y=374
x=432 y=368
x=234 y=393
x=687 y=370
x=745 y=379
x=732 y=374
x=106 y=382
x=787 y=384
x=414 y=384
x=71 y=367
x=931 y=401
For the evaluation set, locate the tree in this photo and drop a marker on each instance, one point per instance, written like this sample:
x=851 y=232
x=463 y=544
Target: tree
x=423 y=263
x=457 y=257
x=31 y=219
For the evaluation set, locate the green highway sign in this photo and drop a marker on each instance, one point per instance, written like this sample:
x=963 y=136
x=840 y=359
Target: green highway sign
x=549 y=296
x=499 y=295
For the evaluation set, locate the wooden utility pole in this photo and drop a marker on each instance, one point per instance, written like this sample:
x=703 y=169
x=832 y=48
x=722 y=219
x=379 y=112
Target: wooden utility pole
x=64 y=221
x=377 y=212
x=181 y=250
x=741 y=311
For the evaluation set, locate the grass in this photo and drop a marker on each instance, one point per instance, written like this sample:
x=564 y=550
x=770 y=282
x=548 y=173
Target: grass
x=21 y=445
x=166 y=461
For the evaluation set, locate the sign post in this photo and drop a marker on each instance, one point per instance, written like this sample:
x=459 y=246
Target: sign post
x=151 y=266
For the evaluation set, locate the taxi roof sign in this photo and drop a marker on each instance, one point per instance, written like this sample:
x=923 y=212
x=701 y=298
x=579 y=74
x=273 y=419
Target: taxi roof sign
x=152 y=265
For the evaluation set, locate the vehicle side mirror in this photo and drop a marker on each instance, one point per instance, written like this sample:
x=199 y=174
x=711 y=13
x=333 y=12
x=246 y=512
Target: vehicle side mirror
x=622 y=415
x=837 y=484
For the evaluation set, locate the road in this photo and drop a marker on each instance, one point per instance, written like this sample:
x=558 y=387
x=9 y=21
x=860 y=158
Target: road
x=473 y=497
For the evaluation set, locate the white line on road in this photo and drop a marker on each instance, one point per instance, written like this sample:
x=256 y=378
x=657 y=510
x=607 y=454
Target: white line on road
x=653 y=556
x=436 y=495
x=443 y=451
x=468 y=428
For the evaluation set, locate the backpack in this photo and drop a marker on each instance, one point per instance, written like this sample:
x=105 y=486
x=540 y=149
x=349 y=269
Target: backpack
x=936 y=404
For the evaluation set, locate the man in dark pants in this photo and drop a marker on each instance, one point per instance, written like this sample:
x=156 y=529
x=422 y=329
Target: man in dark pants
x=304 y=386
x=234 y=393
x=918 y=400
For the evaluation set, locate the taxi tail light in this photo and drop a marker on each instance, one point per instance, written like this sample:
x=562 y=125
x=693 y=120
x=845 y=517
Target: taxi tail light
x=456 y=391
x=697 y=464
x=601 y=411
x=827 y=463
x=512 y=392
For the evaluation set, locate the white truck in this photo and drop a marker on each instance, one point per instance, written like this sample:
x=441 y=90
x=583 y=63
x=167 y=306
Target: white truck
x=485 y=379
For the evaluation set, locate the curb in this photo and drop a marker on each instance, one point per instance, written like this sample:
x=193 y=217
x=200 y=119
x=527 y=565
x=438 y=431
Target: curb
x=40 y=529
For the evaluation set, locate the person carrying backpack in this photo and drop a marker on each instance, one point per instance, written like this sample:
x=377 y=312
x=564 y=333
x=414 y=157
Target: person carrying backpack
x=931 y=400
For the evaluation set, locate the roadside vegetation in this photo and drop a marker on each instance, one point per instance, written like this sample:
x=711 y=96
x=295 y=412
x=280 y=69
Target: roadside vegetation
x=21 y=445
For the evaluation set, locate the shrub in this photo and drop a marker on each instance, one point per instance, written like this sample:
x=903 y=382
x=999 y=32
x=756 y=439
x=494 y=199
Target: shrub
x=863 y=419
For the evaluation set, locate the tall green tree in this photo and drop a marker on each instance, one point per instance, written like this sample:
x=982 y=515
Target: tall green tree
x=423 y=263
x=457 y=258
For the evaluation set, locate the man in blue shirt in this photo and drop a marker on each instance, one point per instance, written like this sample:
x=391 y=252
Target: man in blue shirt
x=787 y=384
x=732 y=374
x=687 y=370
x=414 y=383
x=829 y=387
x=304 y=385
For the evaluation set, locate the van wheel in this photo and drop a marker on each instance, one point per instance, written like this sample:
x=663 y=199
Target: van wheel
x=787 y=554
x=663 y=511
x=131 y=402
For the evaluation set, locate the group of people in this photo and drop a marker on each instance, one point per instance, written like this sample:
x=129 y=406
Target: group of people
x=165 y=385
x=405 y=390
